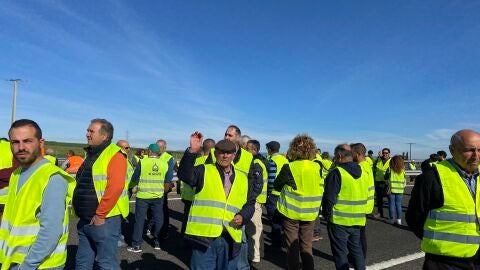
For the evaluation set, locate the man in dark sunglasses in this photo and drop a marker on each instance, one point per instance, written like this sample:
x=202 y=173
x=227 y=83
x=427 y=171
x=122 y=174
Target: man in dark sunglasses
x=379 y=168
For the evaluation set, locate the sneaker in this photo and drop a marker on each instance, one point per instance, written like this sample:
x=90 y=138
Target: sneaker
x=135 y=249
x=157 y=246
x=399 y=221
x=376 y=215
x=391 y=221
x=148 y=232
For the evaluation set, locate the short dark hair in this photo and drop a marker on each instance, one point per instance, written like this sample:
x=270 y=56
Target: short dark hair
x=370 y=152
x=255 y=143
x=442 y=153
x=27 y=122
x=340 y=150
x=106 y=127
x=237 y=129
x=388 y=149
x=208 y=144
x=71 y=152
x=358 y=148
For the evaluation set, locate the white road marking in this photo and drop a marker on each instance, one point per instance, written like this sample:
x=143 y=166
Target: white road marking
x=397 y=261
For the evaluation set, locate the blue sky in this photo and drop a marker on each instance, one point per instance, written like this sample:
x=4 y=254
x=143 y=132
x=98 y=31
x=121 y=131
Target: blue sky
x=379 y=72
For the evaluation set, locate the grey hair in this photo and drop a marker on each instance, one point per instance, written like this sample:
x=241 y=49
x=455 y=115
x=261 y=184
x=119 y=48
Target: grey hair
x=244 y=140
x=106 y=127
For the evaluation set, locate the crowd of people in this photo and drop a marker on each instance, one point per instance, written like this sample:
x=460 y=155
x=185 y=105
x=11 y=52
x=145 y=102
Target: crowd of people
x=225 y=187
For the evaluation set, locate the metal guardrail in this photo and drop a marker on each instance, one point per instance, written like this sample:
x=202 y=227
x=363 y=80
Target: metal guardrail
x=412 y=172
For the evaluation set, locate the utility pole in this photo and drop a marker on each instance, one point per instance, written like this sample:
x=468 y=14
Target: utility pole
x=14 y=101
x=410 y=155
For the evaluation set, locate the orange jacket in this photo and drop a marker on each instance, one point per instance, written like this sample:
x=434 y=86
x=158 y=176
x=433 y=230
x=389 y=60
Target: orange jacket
x=74 y=163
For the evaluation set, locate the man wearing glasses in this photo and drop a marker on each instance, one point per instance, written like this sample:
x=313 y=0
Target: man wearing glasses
x=379 y=168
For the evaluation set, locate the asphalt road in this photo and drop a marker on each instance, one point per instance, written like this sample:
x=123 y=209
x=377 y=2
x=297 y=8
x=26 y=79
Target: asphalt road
x=385 y=242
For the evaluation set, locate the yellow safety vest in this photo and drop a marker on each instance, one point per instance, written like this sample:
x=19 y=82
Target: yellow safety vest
x=262 y=198
x=303 y=203
x=412 y=166
x=350 y=208
x=279 y=161
x=50 y=158
x=130 y=171
x=165 y=156
x=397 y=182
x=212 y=211
x=152 y=178
x=381 y=169
x=99 y=175
x=6 y=161
x=186 y=191
x=367 y=170
x=369 y=161
x=325 y=164
x=243 y=164
x=6 y=156
x=20 y=225
x=453 y=229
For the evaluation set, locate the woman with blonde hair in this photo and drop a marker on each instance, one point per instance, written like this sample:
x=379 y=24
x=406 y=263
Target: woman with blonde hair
x=395 y=177
x=299 y=202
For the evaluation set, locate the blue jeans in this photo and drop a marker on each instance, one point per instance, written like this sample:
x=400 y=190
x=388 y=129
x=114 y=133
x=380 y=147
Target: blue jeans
x=345 y=241
x=215 y=257
x=98 y=243
x=395 y=205
x=141 y=208
x=242 y=262
x=271 y=206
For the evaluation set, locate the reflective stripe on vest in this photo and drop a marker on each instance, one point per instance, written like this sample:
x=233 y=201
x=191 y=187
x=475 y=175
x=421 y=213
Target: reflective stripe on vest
x=152 y=178
x=279 y=161
x=397 y=181
x=6 y=156
x=367 y=170
x=20 y=225
x=350 y=208
x=381 y=169
x=211 y=211
x=262 y=198
x=303 y=203
x=452 y=230
x=186 y=191
x=99 y=176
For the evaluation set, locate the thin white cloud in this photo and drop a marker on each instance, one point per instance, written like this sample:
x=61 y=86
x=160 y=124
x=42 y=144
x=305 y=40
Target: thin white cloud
x=440 y=134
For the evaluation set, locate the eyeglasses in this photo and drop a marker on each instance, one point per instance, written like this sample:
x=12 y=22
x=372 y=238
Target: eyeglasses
x=128 y=147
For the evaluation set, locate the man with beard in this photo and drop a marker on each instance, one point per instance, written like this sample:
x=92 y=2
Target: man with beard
x=34 y=229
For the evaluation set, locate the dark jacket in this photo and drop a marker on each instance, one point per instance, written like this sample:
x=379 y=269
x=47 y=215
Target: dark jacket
x=194 y=176
x=427 y=194
x=333 y=184
x=85 y=200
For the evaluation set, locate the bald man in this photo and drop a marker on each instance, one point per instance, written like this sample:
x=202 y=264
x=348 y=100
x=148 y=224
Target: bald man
x=444 y=208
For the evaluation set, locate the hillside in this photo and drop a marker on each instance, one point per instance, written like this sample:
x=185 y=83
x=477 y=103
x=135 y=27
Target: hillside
x=61 y=149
